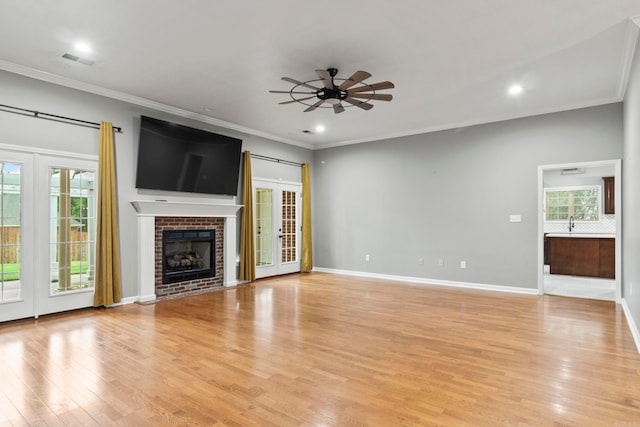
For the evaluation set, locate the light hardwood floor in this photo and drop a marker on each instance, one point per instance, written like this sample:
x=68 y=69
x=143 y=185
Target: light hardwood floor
x=325 y=350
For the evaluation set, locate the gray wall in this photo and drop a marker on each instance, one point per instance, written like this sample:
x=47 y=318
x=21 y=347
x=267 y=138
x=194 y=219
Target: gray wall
x=33 y=94
x=630 y=194
x=448 y=195
x=441 y=195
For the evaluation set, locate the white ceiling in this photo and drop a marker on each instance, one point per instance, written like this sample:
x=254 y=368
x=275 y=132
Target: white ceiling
x=451 y=61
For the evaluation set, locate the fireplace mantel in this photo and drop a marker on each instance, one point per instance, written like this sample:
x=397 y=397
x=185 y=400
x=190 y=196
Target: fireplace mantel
x=147 y=210
x=162 y=208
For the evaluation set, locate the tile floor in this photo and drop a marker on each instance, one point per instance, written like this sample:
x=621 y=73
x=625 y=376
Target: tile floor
x=579 y=287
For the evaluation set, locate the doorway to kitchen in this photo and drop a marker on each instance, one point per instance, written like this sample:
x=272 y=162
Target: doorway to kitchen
x=579 y=229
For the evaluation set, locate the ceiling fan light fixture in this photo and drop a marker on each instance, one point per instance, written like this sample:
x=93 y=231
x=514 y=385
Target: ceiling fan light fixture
x=332 y=101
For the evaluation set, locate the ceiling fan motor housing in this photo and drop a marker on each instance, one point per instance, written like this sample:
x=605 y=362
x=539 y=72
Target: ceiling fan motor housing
x=332 y=96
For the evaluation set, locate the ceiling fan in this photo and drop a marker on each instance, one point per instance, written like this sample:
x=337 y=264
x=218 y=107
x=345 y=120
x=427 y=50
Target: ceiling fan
x=352 y=91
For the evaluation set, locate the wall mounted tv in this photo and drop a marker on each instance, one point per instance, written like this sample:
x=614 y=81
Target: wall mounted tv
x=173 y=157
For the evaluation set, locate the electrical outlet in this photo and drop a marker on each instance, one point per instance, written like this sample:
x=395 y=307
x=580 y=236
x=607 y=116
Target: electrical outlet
x=463 y=264
x=420 y=261
x=440 y=262
x=367 y=257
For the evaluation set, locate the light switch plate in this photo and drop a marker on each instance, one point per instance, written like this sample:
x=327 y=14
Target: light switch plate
x=515 y=218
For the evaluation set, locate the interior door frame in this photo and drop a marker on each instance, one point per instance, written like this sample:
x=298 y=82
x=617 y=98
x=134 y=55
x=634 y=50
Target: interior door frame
x=617 y=164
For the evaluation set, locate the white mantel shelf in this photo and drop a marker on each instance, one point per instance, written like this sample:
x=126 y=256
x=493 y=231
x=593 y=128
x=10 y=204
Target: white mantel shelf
x=162 y=208
x=148 y=210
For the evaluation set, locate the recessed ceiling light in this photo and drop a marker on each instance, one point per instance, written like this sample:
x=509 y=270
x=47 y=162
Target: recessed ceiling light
x=515 y=90
x=319 y=128
x=82 y=47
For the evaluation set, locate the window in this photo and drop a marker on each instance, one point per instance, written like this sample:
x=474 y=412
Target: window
x=582 y=203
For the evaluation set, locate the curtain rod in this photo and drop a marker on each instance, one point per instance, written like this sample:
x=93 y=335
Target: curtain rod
x=54 y=117
x=273 y=159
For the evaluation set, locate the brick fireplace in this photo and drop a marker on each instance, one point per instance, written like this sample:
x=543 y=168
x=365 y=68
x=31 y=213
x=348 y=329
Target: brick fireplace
x=154 y=217
x=182 y=226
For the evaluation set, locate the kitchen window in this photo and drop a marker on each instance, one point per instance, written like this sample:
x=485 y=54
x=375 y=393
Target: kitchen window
x=581 y=203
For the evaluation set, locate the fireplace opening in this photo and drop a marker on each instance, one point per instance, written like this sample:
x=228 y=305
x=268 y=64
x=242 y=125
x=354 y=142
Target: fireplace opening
x=188 y=255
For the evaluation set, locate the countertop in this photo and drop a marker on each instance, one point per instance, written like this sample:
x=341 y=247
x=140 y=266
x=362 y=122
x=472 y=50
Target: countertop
x=584 y=235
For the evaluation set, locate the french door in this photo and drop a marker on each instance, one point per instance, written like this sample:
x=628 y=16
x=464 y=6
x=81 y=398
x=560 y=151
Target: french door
x=17 y=235
x=47 y=233
x=277 y=227
x=65 y=275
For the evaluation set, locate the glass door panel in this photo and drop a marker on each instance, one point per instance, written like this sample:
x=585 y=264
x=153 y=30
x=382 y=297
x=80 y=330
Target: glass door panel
x=16 y=235
x=10 y=231
x=264 y=226
x=69 y=196
x=288 y=227
x=72 y=230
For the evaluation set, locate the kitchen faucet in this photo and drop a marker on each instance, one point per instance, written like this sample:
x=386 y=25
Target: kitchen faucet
x=572 y=223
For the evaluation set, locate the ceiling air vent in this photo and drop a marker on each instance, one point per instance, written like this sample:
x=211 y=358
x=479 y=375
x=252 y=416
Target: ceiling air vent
x=74 y=58
x=572 y=171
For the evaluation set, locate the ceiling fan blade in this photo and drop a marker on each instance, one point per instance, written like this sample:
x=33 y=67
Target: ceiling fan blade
x=360 y=104
x=296 y=100
x=326 y=78
x=296 y=82
x=314 y=106
x=338 y=108
x=356 y=77
x=375 y=96
x=375 y=86
x=288 y=91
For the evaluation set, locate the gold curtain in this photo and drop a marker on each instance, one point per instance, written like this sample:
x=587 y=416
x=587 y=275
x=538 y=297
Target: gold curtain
x=107 y=286
x=247 y=250
x=307 y=244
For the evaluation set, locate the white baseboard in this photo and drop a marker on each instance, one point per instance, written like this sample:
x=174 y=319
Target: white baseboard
x=422 y=281
x=125 y=301
x=631 y=323
x=146 y=298
x=232 y=284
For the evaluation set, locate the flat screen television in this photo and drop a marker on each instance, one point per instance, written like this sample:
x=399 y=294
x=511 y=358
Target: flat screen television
x=173 y=157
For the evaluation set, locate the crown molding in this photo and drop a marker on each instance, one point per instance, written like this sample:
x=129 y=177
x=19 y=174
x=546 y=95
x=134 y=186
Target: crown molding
x=142 y=102
x=630 y=43
x=480 y=121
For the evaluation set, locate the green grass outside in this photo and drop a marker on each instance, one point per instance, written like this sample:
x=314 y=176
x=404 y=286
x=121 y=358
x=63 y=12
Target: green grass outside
x=12 y=271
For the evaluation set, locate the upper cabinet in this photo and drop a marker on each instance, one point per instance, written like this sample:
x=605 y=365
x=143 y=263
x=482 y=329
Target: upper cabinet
x=609 y=195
